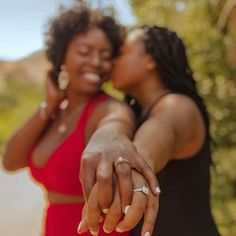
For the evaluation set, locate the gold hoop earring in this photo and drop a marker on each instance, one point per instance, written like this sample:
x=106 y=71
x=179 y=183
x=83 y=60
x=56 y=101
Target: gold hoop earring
x=63 y=78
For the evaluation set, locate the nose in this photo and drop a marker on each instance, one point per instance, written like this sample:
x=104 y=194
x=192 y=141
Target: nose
x=96 y=60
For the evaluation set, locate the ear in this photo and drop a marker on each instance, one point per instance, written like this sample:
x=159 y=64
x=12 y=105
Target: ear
x=150 y=65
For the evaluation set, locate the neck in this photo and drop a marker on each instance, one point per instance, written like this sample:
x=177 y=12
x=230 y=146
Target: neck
x=148 y=92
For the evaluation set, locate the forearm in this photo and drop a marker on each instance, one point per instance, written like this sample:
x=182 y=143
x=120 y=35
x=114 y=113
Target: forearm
x=20 y=144
x=155 y=141
x=117 y=124
x=156 y=160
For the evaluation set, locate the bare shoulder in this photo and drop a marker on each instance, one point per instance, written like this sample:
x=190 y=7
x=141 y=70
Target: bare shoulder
x=178 y=106
x=184 y=115
x=110 y=110
x=112 y=107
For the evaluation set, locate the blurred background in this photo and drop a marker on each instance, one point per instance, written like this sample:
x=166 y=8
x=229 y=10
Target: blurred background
x=208 y=28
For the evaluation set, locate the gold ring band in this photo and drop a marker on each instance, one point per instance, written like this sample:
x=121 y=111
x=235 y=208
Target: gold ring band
x=121 y=160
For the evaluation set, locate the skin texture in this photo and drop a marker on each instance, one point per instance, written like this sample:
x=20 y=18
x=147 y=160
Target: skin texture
x=167 y=134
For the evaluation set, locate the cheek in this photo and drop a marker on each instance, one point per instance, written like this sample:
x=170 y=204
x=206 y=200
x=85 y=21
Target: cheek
x=106 y=67
x=74 y=62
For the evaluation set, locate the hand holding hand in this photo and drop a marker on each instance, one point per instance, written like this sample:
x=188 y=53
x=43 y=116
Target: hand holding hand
x=98 y=163
x=143 y=203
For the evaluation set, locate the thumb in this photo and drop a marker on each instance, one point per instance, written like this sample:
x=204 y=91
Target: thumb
x=83 y=226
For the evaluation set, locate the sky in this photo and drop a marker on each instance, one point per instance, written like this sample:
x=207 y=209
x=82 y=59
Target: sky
x=23 y=23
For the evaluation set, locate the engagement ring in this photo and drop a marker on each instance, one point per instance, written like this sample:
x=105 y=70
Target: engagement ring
x=144 y=190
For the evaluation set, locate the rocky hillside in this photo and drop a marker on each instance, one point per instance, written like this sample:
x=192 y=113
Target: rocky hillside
x=30 y=69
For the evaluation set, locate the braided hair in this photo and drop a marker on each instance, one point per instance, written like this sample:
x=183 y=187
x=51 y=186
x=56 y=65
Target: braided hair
x=168 y=51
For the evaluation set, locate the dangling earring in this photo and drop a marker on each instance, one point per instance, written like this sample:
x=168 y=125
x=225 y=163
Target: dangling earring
x=132 y=102
x=63 y=78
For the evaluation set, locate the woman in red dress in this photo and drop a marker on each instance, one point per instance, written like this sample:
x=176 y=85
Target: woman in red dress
x=81 y=44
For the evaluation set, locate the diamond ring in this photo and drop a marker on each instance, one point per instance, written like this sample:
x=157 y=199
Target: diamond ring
x=121 y=160
x=144 y=190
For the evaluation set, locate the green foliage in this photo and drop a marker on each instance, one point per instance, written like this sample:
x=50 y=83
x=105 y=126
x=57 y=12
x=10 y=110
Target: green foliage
x=224 y=190
x=208 y=47
x=196 y=23
x=18 y=100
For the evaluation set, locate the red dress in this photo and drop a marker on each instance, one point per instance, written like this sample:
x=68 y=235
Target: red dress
x=61 y=174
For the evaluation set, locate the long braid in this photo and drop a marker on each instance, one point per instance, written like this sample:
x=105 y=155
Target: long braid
x=168 y=51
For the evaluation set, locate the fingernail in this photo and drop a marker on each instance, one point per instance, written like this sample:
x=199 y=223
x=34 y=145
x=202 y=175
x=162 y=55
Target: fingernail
x=107 y=231
x=147 y=234
x=78 y=229
x=94 y=233
x=119 y=230
x=105 y=210
x=158 y=190
x=126 y=209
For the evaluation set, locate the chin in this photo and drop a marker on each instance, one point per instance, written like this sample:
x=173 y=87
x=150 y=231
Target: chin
x=120 y=87
x=90 y=90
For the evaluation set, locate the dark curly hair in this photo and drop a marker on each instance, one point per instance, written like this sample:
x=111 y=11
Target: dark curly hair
x=168 y=51
x=72 y=22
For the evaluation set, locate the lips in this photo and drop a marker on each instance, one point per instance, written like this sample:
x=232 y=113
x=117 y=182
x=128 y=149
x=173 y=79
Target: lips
x=92 y=77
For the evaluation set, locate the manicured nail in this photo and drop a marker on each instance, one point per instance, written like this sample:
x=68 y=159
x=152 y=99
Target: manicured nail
x=78 y=229
x=107 y=231
x=119 y=230
x=147 y=234
x=94 y=233
x=158 y=190
x=105 y=210
x=126 y=209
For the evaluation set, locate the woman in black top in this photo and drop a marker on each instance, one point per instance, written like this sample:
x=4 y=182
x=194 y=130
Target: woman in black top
x=172 y=133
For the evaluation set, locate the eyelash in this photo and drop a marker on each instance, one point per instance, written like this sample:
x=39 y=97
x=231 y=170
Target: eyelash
x=83 y=53
x=86 y=53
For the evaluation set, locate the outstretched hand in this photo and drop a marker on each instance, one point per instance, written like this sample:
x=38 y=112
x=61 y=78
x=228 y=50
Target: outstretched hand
x=143 y=203
x=98 y=163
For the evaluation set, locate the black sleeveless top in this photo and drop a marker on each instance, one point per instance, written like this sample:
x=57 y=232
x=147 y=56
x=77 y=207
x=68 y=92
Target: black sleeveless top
x=184 y=208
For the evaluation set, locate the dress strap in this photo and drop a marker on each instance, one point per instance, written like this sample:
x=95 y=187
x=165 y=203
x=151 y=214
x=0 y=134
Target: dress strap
x=146 y=114
x=89 y=108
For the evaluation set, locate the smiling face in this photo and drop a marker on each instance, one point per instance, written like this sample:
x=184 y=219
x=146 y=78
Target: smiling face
x=132 y=67
x=88 y=61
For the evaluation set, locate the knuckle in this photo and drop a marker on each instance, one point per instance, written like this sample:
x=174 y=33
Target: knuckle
x=146 y=166
x=88 y=157
x=153 y=200
x=114 y=215
x=84 y=162
x=153 y=206
x=126 y=196
x=92 y=207
x=149 y=223
x=123 y=171
x=104 y=178
x=138 y=209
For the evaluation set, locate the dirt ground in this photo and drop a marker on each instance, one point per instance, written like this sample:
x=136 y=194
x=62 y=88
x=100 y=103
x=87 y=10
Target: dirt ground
x=21 y=205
